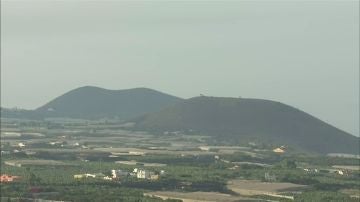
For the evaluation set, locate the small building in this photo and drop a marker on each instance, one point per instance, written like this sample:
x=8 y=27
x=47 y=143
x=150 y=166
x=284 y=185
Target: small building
x=108 y=178
x=234 y=167
x=340 y=172
x=279 y=150
x=204 y=148
x=143 y=174
x=90 y=175
x=21 y=145
x=154 y=177
x=310 y=170
x=79 y=176
x=9 y=178
x=116 y=174
x=55 y=143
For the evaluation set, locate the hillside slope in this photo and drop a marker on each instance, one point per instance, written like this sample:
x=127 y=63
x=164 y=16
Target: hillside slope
x=93 y=102
x=237 y=119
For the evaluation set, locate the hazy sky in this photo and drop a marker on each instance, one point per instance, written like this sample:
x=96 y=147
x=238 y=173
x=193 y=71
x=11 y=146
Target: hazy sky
x=302 y=53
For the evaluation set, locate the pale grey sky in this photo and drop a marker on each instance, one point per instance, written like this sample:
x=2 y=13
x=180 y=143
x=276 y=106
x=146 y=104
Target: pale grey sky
x=302 y=53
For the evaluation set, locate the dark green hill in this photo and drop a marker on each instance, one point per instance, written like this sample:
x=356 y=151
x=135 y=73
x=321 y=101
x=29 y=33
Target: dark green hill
x=237 y=119
x=93 y=102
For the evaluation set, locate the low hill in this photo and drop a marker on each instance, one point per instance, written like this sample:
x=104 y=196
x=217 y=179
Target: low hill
x=18 y=113
x=238 y=119
x=93 y=103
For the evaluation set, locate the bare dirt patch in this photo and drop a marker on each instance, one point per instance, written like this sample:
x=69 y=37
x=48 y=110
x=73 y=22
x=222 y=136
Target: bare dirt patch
x=199 y=196
x=255 y=187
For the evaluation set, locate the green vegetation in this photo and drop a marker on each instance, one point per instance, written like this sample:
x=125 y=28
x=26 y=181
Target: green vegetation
x=189 y=165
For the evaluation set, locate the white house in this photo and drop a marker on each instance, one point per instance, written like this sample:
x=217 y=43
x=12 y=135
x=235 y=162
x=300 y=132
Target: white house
x=107 y=178
x=21 y=144
x=118 y=173
x=143 y=174
x=90 y=175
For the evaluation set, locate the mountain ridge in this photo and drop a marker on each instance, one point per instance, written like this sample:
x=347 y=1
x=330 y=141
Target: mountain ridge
x=235 y=120
x=90 y=102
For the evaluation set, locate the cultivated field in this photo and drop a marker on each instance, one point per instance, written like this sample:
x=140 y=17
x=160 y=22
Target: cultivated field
x=255 y=187
x=38 y=162
x=347 y=167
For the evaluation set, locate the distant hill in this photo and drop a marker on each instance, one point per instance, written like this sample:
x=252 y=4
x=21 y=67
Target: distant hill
x=92 y=103
x=238 y=119
x=18 y=113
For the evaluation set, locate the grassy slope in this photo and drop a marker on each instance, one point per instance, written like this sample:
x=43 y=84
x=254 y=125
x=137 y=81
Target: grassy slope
x=247 y=119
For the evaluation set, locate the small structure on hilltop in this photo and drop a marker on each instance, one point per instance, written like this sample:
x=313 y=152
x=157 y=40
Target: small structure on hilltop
x=280 y=150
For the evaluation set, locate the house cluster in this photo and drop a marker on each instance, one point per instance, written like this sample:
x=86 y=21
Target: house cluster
x=8 y=178
x=13 y=149
x=145 y=174
x=342 y=172
x=310 y=170
x=117 y=175
x=56 y=143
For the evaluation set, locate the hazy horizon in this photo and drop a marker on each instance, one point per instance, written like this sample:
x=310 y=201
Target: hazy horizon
x=304 y=54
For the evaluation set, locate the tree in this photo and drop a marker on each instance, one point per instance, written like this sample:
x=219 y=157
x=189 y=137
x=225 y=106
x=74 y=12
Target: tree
x=288 y=164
